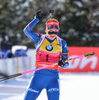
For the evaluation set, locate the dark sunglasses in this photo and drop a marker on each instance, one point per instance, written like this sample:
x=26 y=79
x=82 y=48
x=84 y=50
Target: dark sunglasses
x=53 y=26
x=53 y=33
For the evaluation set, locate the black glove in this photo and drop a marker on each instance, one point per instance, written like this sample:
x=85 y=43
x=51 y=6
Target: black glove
x=61 y=63
x=38 y=15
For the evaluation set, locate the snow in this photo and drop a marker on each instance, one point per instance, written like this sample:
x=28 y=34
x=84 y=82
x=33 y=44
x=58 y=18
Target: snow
x=73 y=86
x=78 y=3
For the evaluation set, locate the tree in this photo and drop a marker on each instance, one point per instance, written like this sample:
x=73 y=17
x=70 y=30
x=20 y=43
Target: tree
x=77 y=21
x=15 y=15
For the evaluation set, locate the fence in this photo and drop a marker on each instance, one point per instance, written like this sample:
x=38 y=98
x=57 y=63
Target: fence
x=11 y=66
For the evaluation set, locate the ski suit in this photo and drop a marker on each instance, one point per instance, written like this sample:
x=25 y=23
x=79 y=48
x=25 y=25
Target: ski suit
x=47 y=52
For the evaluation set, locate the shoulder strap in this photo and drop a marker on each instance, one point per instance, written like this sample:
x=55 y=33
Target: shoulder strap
x=59 y=41
x=40 y=41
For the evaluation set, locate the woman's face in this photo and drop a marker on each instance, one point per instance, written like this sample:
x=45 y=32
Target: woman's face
x=51 y=33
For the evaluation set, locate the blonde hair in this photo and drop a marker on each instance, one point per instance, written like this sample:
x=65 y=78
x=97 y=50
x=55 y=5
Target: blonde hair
x=50 y=20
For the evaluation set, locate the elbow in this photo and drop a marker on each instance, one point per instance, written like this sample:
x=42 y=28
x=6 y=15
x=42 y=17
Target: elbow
x=25 y=31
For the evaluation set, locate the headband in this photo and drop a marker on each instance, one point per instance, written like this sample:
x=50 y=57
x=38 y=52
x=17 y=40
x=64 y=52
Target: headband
x=51 y=23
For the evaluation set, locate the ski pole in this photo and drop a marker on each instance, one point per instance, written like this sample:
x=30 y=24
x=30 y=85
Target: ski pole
x=22 y=73
x=81 y=56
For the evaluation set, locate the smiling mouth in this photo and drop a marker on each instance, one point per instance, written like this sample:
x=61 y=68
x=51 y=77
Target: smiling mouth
x=52 y=36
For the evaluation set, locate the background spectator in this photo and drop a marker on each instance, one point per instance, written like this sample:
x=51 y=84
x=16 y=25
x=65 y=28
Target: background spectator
x=5 y=44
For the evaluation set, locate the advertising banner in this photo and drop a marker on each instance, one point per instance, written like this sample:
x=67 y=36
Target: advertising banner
x=4 y=53
x=87 y=64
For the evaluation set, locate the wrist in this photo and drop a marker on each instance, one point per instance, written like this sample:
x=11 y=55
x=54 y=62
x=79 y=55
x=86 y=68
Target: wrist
x=65 y=66
x=36 y=19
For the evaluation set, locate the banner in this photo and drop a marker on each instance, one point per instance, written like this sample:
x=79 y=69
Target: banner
x=20 y=53
x=4 y=53
x=88 y=64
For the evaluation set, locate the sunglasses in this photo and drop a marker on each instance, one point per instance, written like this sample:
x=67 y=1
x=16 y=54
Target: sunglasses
x=53 y=27
x=53 y=33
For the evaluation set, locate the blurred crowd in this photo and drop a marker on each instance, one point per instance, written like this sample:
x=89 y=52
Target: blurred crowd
x=6 y=47
x=6 y=50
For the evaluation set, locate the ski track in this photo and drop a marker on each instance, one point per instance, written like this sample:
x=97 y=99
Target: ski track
x=73 y=86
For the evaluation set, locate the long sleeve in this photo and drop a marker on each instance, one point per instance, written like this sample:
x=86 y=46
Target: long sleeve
x=64 y=50
x=64 y=54
x=28 y=31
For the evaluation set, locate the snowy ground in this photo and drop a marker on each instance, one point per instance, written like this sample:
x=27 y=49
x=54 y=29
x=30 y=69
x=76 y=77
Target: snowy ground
x=75 y=86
